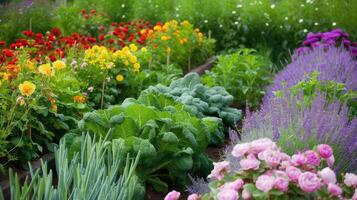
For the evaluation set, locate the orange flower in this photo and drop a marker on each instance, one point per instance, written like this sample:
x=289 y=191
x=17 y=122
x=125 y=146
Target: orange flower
x=79 y=99
x=27 y=88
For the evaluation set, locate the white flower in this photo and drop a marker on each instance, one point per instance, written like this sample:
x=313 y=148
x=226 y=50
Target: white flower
x=301 y=20
x=239 y=5
x=334 y=23
x=220 y=26
x=316 y=24
x=122 y=5
x=302 y=5
x=272 y=6
x=305 y=30
x=235 y=23
x=206 y=21
x=286 y=18
x=266 y=24
x=234 y=12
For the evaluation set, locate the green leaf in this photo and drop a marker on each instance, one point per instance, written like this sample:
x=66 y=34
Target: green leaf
x=158 y=185
x=140 y=113
x=127 y=128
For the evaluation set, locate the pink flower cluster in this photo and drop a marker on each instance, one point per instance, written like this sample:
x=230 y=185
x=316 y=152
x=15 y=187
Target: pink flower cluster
x=265 y=168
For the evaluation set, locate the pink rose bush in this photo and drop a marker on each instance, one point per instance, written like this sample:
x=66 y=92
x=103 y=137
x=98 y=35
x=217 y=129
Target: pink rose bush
x=267 y=173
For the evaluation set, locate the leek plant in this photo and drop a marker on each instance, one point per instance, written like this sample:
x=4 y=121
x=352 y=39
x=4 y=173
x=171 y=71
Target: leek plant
x=98 y=171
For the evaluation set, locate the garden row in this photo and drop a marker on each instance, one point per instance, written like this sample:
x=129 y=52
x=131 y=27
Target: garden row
x=276 y=26
x=302 y=142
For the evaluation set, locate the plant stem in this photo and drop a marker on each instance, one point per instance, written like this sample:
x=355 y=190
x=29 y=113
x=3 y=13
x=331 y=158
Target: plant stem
x=102 y=97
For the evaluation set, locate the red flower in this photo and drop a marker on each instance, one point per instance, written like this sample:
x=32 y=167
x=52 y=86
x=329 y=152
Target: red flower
x=83 y=11
x=52 y=57
x=7 y=52
x=110 y=41
x=101 y=37
x=2 y=43
x=56 y=31
x=114 y=24
x=86 y=16
x=28 y=33
x=93 y=11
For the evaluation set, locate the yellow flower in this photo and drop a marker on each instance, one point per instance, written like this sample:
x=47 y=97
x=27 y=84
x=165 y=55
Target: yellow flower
x=27 y=88
x=53 y=107
x=30 y=65
x=144 y=50
x=165 y=37
x=5 y=76
x=133 y=59
x=136 y=66
x=126 y=63
x=168 y=50
x=45 y=69
x=133 y=47
x=119 y=77
x=58 y=64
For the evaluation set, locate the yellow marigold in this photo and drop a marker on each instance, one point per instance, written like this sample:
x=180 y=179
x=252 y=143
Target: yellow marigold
x=5 y=76
x=136 y=66
x=133 y=47
x=183 y=40
x=59 y=64
x=197 y=30
x=27 y=88
x=199 y=34
x=165 y=38
x=126 y=63
x=185 y=23
x=45 y=69
x=79 y=99
x=119 y=77
x=143 y=31
x=144 y=49
x=30 y=65
x=133 y=59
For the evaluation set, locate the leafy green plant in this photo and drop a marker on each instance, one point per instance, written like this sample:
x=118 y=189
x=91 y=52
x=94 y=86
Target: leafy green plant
x=244 y=74
x=95 y=172
x=199 y=99
x=171 y=140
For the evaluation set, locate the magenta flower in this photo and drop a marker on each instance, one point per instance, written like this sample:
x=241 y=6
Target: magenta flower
x=173 y=195
x=298 y=159
x=324 y=150
x=227 y=194
x=265 y=183
x=249 y=163
x=309 y=182
x=334 y=190
x=293 y=173
x=327 y=175
x=271 y=157
x=219 y=170
x=281 y=184
x=312 y=158
x=330 y=161
x=350 y=179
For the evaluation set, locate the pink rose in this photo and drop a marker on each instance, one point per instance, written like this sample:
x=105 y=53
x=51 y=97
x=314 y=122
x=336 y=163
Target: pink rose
x=281 y=184
x=285 y=164
x=284 y=156
x=235 y=185
x=227 y=194
x=354 y=197
x=262 y=144
x=293 y=173
x=327 y=175
x=249 y=163
x=330 y=161
x=350 y=179
x=194 y=197
x=312 y=158
x=240 y=150
x=219 y=170
x=173 y=195
x=265 y=183
x=298 y=159
x=309 y=182
x=245 y=194
x=324 y=150
x=271 y=157
x=334 y=189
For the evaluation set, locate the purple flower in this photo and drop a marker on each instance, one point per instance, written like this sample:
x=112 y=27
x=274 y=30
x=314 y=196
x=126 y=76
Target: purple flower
x=312 y=158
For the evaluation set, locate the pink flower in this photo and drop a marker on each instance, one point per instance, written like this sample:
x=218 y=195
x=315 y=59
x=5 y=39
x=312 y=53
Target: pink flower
x=350 y=179
x=245 y=194
x=309 y=182
x=227 y=194
x=281 y=184
x=271 y=157
x=235 y=185
x=262 y=144
x=293 y=173
x=265 y=183
x=219 y=170
x=327 y=175
x=284 y=156
x=334 y=189
x=330 y=161
x=194 y=197
x=298 y=159
x=249 y=163
x=173 y=195
x=324 y=150
x=285 y=164
x=312 y=158
x=240 y=150
x=354 y=197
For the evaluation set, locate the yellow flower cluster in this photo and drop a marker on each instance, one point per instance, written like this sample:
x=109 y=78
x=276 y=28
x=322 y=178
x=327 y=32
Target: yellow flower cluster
x=100 y=56
x=127 y=56
x=48 y=70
